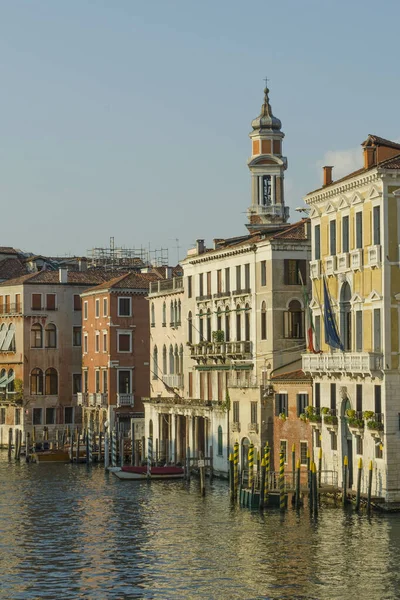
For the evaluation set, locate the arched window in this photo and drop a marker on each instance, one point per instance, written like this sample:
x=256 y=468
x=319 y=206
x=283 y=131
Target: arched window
x=201 y=326
x=152 y=315
x=176 y=354
x=175 y=313
x=263 y=321
x=294 y=321
x=208 y=325
x=51 y=382
x=219 y=320
x=50 y=336
x=10 y=380
x=3 y=333
x=181 y=359
x=345 y=316
x=171 y=360
x=164 y=360
x=155 y=363
x=247 y=323
x=36 y=336
x=238 y=324
x=220 y=444
x=190 y=328
x=164 y=314
x=227 y=325
x=172 y=315
x=150 y=428
x=179 y=312
x=3 y=380
x=36 y=382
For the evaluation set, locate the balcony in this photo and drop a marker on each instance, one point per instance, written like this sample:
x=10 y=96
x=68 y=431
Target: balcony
x=222 y=295
x=374 y=257
x=125 y=400
x=278 y=210
x=92 y=400
x=220 y=350
x=241 y=291
x=247 y=382
x=174 y=381
x=203 y=297
x=11 y=309
x=330 y=265
x=252 y=427
x=315 y=269
x=343 y=262
x=82 y=399
x=356 y=261
x=342 y=362
x=101 y=400
x=165 y=286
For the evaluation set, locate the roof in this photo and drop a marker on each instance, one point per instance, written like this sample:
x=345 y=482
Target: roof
x=296 y=231
x=89 y=277
x=11 y=268
x=128 y=281
x=8 y=250
x=294 y=376
x=380 y=141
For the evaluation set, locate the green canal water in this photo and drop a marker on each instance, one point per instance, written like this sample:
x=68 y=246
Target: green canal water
x=72 y=532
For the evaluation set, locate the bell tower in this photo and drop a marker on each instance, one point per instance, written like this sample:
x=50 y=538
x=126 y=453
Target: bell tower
x=267 y=166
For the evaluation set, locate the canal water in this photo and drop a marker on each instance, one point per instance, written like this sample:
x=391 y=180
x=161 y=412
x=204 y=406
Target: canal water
x=72 y=532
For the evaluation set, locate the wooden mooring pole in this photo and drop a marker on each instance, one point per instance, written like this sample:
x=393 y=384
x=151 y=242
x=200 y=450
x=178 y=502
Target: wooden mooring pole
x=236 y=468
x=106 y=450
x=211 y=467
x=297 y=492
x=10 y=440
x=267 y=472
x=251 y=465
x=358 y=494
x=370 y=471
x=202 y=470
x=27 y=446
x=188 y=463
x=345 y=469
x=231 y=477
x=132 y=442
x=262 y=484
x=294 y=463
x=315 y=489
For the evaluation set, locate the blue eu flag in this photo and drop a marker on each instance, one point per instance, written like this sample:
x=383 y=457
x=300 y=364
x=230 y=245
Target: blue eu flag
x=331 y=333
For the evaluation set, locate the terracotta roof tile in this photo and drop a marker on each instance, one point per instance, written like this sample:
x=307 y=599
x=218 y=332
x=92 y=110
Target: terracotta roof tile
x=298 y=375
x=128 y=281
x=8 y=250
x=296 y=231
x=90 y=277
x=11 y=268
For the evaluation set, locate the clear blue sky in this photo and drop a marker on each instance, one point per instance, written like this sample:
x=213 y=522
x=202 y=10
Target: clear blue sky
x=131 y=119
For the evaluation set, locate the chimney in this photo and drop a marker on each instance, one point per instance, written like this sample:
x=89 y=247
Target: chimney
x=217 y=243
x=82 y=264
x=200 y=246
x=327 y=175
x=369 y=156
x=63 y=275
x=168 y=273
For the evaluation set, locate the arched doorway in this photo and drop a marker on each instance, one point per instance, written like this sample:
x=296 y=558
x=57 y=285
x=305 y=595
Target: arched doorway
x=345 y=316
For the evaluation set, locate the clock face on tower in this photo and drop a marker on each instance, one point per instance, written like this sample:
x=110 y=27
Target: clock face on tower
x=266 y=190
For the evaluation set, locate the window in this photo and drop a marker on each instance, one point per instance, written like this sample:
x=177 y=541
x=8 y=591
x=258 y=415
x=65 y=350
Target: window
x=189 y=282
x=85 y=343
x=104 y=341
x=17 y=416
x=378 y=399
x=190 y=384
x=164 y=315
x=238 y=277
x=152 y=316
x=235 y=406
x=11 y=379
x=359 y=398
x=97 y=308
x=97 y=342
x=247 y=323
x=238 y=324
x=2 y=416
x=201 y=326
x=97 y=381
x=190 y=328
x=220 y=444
x=227 y=281
x=377 y=330
x=85 y=309
x=36 y=416
x=124 y=307
x=219 y=281
x=377 y=225
x=302 y=403
x=209 y=283
x=172 y=315
x=208 y=325
x=263 y=272
x=68 y=414
x=379 y=451
x=333 y=441
x=36 y=301
x=36 y=336
x=50 y=416
x=359 y=444
x=317 y=333
x=85 y=380
x=345 y=316
x=105 y=382
x=219 y=319
x=317 y=438
x=247 y=276
x=209 y=386
x=359 y=230
x=304 y=453
x=345 y=234
x=76 y=383
x=317 y=242
x=201 y=287
x=77 y=302
x=254 y=412
x=281 y=404
x=283 y=450
x=17 y=303
x=155 y=363
x=105 y=307
x=293 y=271
x=359 y=331
x=50 y=302
x=124 y=342
x=51 y=382
x=227 y=325
x=294 y=321
x=77 y=336
x=202 y=376
x=164 y=360
x=263 y=321
x=50 y=336
x=171 y=361
x=332 y=238
x=333 y=396
x=124 y=382
x=36 y=382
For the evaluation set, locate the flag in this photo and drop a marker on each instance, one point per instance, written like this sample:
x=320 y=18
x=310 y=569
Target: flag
x=331 y=333
x=310 y=324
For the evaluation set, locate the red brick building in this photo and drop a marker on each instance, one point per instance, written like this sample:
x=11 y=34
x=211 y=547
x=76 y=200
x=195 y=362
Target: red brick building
x=116 y=350
x=293 y=393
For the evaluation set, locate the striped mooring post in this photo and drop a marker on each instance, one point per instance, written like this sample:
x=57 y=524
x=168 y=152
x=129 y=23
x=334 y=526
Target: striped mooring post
x=345 y=471
x=267 y=471
x=149 y=455
x=113 y=448
x=236 y=468
x=281 y=481
x=359 y=474
x=319 y=466
x=106 y=449
x=251 y=465
x=90 y=446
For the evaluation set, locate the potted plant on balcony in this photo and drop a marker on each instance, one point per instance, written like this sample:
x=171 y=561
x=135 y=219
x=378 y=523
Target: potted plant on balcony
x=312 y=416
x=303 y=417
x=331 y=421
x=282 y=416
x=218 y=336
x=375 y=427
x=324 y=410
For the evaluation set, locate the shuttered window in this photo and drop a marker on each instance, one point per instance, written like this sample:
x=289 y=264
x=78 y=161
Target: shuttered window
x=377 y=225
x=333 y=396
x=292 y=271
x=235 y=406
x=253 y=412
x=36 y=301
x=359 y=332
x=50 y=302
x=77 y=302
x=359 y=230
x=302 y=402
x=263 y=269
x=345 y=234
x=281 y=404
x=377 y=329
x=332 y=238
x=378 y=399
x=359 y=398
x=124 y=342
x=317 y=242
x=317 y=396
x=209 y=386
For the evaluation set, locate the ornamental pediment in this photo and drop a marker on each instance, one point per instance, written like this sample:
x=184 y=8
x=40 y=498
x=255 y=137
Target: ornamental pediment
x=356 y=198
x=373 y=193
x=330 y=208
x=344 y=203
x=314 y=213
x=396 y=192
x=356 y=299
x=314 y=305
x=374 y=296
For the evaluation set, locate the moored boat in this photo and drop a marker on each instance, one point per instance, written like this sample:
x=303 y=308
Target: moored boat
x=47 y=456
x=155 y=473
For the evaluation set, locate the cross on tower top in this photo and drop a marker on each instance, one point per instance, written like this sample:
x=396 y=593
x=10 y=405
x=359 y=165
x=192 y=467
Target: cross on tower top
x=266 y=81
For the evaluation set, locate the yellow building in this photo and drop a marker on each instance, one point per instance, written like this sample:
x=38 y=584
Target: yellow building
x=355 y=250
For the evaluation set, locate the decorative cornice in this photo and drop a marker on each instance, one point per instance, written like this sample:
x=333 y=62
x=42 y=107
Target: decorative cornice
x=341 y=188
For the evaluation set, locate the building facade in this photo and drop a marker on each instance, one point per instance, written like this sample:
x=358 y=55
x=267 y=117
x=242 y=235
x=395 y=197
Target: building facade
x=355 y=251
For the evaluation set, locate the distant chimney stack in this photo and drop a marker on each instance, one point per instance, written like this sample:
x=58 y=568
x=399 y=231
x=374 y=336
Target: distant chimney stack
x=369 y=156
x=63 y=275
x=200 y=246
x=82 y=264
x=327 y=175
x=168 y=273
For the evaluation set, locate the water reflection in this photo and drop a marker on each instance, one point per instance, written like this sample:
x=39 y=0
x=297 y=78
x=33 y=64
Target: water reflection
x=72 y=532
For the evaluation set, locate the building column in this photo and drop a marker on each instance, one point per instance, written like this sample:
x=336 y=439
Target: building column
x=161 y=437
x=173 y=438
x=273 y=195
x=178 y=446
x=196 y=437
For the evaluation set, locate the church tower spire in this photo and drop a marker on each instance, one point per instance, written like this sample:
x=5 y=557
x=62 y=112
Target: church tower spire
x=267 y=166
